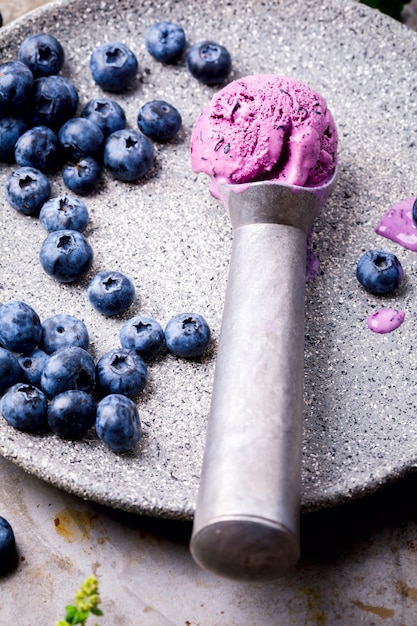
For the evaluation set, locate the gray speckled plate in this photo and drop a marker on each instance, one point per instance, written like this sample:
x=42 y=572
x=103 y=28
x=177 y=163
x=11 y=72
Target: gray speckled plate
x=173 y=240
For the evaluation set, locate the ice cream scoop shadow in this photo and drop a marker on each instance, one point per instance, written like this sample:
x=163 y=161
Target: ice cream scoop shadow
x=332 y=231
x=333 y=241
x=336 y=334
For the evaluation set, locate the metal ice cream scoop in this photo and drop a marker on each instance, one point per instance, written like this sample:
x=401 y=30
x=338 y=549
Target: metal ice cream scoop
x=246 y=523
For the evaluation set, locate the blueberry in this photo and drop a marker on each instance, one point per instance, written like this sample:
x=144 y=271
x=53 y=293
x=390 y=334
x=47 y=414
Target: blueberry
x=159 y=120
x=166 y=42
x=128 y=154
x=80 y=138
x=414 y=211
x=53 y=101
x=66 y=255
x=82 y=177
x=38 y=147
x=142 y=335
x=71 y=413
x=379 y=272
x=68 y=368
x=11 y=128
x=9 y=369
x=209 y=62
x=107 y=114
x=27 y=189
x=64 y=212
x=111 y=293
x=113 y=66
x=62 y=331
x=42 y=53
x=24 y=407
x=8 y=553
x=121 y=371
x=16 y=82
x=187 y=335
x=117 y=423
x=20 y=327
x=31 y=366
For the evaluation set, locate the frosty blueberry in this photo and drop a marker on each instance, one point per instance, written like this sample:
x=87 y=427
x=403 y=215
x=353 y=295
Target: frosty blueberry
x=9 y=369
x=106 y=113
x=66 y=255
x=53 y=101
x=38 y=147
x=27 y=189
x=166 y=42
x=187 y=335
x=117 y=423
x=68 y=368
x=24 y=407
x=31 y=366
x=79 y=137
x=71 y=413
x=414 y=211
x=8 y=554
x=128 y=154
x=64 y=212
x=20 y=327
x=113 y=66
x=111 y=293
x=379 y=272
x=143 y=335
x=62 y=331
x=121 y=371
x=11 y=128
x=209 y=62
x=159 y=120
x=42 y=53
x=16 y=82
x=82 y=177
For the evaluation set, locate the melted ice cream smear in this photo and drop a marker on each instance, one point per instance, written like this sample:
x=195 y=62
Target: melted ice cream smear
x=385 y=320
x=398 y=225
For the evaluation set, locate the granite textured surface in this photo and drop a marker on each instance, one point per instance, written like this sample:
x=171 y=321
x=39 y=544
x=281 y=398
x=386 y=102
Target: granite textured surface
x=358 y=563
x=173 y=240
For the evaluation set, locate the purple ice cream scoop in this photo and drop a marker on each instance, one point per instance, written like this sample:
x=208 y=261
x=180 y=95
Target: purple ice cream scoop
x=269 y=146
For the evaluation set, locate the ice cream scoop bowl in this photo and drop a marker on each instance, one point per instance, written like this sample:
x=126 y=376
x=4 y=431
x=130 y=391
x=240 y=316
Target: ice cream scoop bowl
x=246 y=523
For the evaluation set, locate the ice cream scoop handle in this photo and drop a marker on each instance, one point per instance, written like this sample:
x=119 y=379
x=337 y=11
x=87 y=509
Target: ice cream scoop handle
x=246 y=524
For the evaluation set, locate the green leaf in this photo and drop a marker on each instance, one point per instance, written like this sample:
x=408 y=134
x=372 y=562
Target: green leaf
x=82 y=616
x=75 y=616
x=70 y=612
x=87 y=599
x=96 y=611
